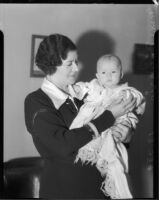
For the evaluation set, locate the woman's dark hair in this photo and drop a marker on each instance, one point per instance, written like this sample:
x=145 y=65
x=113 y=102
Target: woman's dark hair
x=51 y=51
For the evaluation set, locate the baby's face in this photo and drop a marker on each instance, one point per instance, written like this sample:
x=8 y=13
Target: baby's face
x=108 y=74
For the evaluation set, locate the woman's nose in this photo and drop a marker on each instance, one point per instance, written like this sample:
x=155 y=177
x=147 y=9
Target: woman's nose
x=75 y=67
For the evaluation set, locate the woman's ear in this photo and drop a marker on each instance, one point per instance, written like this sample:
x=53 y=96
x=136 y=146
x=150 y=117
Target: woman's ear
x=97 y=75
x=122 y=74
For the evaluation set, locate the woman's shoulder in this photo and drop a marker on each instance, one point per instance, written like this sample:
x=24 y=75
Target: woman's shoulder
x=37 y=103
x=38 y=97
x=37 y=94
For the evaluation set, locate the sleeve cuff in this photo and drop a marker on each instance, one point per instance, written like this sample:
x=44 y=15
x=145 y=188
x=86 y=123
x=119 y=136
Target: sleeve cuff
x=104 y=121
x=94 y=129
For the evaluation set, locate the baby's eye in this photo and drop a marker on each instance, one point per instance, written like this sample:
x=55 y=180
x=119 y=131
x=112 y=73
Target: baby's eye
x=103 y=72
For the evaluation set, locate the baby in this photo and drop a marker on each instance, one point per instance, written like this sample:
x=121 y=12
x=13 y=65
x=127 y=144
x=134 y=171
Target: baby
x=105 y=88
x=105 y=151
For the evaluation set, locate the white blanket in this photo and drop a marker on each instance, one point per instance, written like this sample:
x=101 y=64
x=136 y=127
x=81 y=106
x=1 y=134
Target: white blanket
x=109 y=156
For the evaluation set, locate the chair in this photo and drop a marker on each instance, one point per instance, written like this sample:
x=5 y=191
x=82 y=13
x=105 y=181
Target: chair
x=22 y=177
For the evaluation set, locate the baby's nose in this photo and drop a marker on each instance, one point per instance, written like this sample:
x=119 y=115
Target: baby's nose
x=108 y=77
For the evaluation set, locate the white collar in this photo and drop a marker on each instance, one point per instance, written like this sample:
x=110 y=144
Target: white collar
x=57 y=96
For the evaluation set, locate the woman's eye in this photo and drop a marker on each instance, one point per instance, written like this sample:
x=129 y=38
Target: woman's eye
x=103 y=72
x=113 y=72
x=69 y=64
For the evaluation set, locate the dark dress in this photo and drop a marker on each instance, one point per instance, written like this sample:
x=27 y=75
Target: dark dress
x=49 y=127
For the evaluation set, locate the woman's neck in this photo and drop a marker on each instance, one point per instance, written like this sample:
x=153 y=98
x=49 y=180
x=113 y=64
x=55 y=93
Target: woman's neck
x=56 y=81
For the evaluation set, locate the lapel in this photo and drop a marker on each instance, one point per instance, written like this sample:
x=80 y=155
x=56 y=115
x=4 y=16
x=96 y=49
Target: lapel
x=78 y=102
x=68 y=111
x=62 y=101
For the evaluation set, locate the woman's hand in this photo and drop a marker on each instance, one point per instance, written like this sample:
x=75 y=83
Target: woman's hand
x=120 y=107
x=122 y=132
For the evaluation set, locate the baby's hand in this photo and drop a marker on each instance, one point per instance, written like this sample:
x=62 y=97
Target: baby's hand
x=84 y=116
x=76 y=88
x=80 y=89
x=88 y=112
x=121 y=131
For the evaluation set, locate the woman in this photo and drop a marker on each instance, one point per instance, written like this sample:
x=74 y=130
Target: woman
x=50 y=110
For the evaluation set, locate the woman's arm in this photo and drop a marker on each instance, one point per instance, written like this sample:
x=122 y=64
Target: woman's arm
x=50 y=134
x=51 y=131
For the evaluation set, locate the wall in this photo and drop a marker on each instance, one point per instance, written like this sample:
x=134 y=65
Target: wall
x=96 y=29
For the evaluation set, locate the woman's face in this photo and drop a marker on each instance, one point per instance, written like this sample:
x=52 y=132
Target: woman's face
x=68 y=71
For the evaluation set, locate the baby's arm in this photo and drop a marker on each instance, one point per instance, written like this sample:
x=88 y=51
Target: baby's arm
x=133 y=116
x=86 y=113
x=140 y=101
x=130 y=119
x=91 y=108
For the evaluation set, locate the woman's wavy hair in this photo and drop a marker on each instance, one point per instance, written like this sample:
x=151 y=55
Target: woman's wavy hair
x=51 y=51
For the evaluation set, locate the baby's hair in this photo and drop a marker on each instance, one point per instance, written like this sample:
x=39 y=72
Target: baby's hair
x=109 y=57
